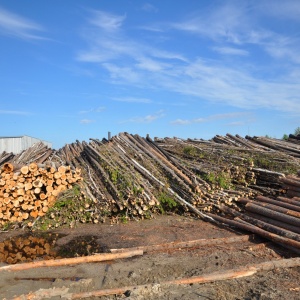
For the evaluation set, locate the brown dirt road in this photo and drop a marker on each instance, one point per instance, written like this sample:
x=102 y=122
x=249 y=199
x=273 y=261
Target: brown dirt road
x=154 y=267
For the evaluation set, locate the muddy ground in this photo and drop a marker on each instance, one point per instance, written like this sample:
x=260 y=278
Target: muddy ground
x=154 y=267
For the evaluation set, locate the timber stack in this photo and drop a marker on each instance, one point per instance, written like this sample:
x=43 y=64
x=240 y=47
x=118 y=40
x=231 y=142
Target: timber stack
x=276 y=219
x=292 y=185
x=131 y=177
x=28 y=191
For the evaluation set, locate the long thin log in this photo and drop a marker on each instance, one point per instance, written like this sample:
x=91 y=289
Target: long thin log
x=278 y=203
x=272 y=214
x=70 y=261
x=290 y=181
x=178 y=198
x=262 y=224
x=291 y=193
x=274 y=222
x=288 y=200
x=254 y=229
x=239 y=272
x=187 y=244
x=272 y=207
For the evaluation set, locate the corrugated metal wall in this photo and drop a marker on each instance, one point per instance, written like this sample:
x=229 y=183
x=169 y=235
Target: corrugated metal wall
x=19 y=143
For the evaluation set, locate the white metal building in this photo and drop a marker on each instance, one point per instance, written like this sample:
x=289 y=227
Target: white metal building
x=16 y=144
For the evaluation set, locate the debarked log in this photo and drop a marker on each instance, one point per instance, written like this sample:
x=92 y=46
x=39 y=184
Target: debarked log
x=71 y=261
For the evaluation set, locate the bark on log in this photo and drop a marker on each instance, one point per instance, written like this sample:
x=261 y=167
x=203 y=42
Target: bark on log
x=254 y=229
x=262 y=224
x=272 y=207
x=277 y=223
x=279 y=203
x=288 y=200
x=272 y=214
x=289 y=181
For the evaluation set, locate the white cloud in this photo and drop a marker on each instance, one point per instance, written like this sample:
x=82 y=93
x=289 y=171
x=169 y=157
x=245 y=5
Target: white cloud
x=230 y=51
x=146 y=119
x=127 y=74
x=180 y=122
x=150 y=64
x=287 y=10
x=106 y=21
x=221 y=22
x=14 y=112
x=17 y=26
x=211 y=118
x=86 y=121
x=132 y=100
x=272 y=84
x=91 y=110
x=108 y=46
x=148 y=7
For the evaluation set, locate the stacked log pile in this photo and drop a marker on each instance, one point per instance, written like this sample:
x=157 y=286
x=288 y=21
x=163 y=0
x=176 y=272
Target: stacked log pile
x=38 y=153
x=292 y=185
x=5 y=157
x=131 y=177
x=294 y=139
x=28 y=191
x=277 y=219
x=291 y=146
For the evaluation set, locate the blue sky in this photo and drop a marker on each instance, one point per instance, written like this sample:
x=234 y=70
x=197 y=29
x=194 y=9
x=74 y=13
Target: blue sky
x=76 y=69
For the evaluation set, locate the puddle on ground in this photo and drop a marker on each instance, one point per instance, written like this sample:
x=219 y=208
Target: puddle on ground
x=28 y=248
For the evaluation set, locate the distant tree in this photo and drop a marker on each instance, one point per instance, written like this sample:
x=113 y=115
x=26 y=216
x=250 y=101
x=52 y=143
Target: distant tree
x=285 y=137
x=297 y=131
x=267 y=136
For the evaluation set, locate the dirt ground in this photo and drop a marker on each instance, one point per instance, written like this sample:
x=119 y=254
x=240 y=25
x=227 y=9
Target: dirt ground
x=153 y=267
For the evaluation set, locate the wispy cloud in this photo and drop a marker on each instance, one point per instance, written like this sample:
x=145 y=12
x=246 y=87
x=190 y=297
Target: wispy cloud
x=14 y=112
x=107 y=46
x=127 y=74
x=106 y=21
x=241 y=23
x=211 y=118
x=146 y=119
x=86 y=121
x=286 y=10
x=234 y=30
x=148 y=7
x=225 y=22
x=132 y=100
x=91 y=110
x=14 y=25
x=230 y=51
